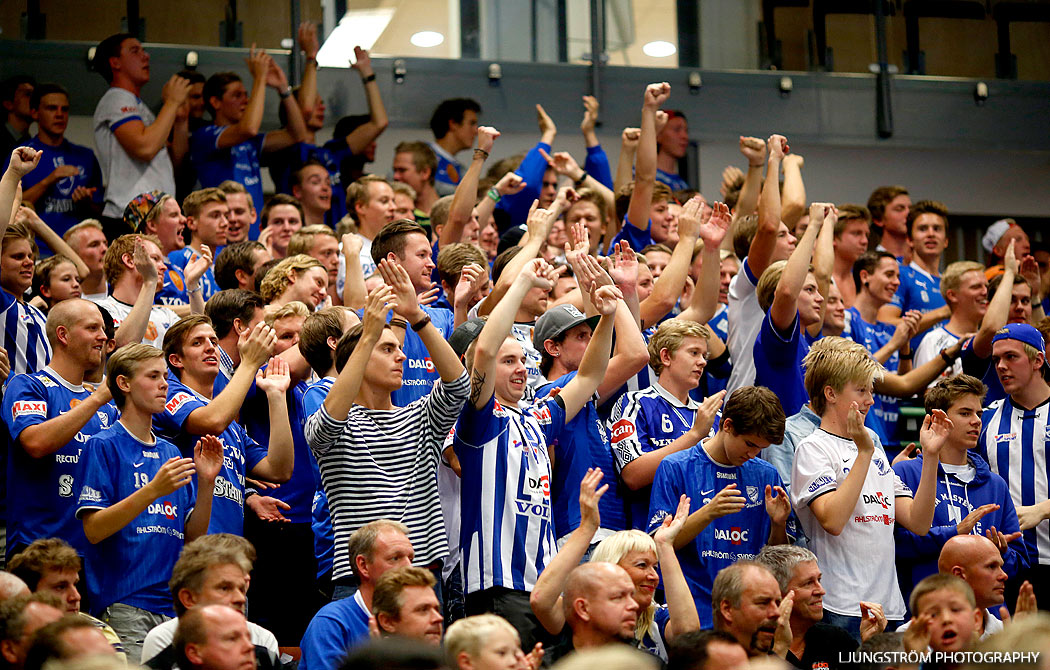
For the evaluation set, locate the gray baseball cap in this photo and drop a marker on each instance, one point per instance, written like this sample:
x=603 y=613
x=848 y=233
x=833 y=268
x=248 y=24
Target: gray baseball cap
x=556 y=321
x=466 y=333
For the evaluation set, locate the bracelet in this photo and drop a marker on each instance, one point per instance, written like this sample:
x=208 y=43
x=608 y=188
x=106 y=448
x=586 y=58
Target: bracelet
x=484 y=154
x=195 y=290
x=579 y=182
x=370 y=78
x=905 y=357
x=494 y=194
x=421 y=324
x=399 y=323
x=286 y=93
x=948 y=358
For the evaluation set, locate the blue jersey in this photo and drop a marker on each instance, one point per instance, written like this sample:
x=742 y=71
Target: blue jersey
x=874 y=336
x=321 y=517
x=778 y=362
x=531 y=170
x=40 y=491
x=56 y=207
x=239 y=163
x=918 y=290
x=25 y=337
x=507 y=534
x=419 y=373
x=180 y=258
x=338 y=626
x=635 y=236
x=672 y=181
x=297 y=492
x=240 y=454
x=644 y=421
x=283 y=165
x=174 y=290
x=449 y=170
x=1014 y=443
x=132 y=566
x=725 y=540
x=581 y=445
x=719 y=323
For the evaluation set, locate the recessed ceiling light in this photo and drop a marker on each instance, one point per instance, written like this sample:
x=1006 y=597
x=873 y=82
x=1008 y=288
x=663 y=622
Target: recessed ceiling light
x=427 y=38
x=659 y=49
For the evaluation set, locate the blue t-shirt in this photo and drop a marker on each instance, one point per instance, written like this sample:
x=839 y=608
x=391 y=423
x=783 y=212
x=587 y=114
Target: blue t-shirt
x=180 y=258
x=635 y=236
x=56 y=207
x=239 y=163
x=321 y=517
x=283 y=164
x=778 y=362
x=240 y=454
x=335 y=628
x=581 y=445
x=133 y=565
x=672 y=181
x=874 y=336
x=449 y=170
x=173 y=292
x=725 y=540
x=918 y=290
x=419 y=373
x=41 y=491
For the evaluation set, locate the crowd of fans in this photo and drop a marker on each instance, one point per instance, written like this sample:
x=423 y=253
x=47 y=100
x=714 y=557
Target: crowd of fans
x=511 y=415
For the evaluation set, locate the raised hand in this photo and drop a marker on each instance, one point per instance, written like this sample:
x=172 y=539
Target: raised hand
x=176 y=90
x=856 y=430
x=267 y=508
x=487 y=137
x=872 y=620
x=792 y=159
x=173 y=475
x=276 y=378
x=934 y=433
x=1001 y=540
x=308 y=41
x=352 y=245
x=777 y=146
x=690 y=218
x=563 y=163
x=778 y=507
x=591 y=491
x=589 y=272
x=667 y=532
x=539 y=222
x=580 y=238
x=917 y=637
x=965 y=527
x=467 y=286
x=258 y=62
x=629 y=138
x=782 y=636
x=706 y=413
x=656 y=95
x=510 y=183
x=605 y=299
x=715 y=229
x=754 y=150
x=396 y=277
x=196 y=268
x=24 y=160
x=544 y=121
x=256 y=345
x=208 y=457
x=362 y=62
x=727 y=501
x=275 y=77
x=144 y=265
x=535 y=272
x=566 y=198
x=732 y=180
x=377 y=307
x=1029 y=269
x=590 y=114
x=624 y=271
x=661 y=120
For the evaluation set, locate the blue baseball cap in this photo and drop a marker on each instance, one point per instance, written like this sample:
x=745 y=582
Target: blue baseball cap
x=1022 y=332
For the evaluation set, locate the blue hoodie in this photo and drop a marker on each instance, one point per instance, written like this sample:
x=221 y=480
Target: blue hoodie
x=917 y=556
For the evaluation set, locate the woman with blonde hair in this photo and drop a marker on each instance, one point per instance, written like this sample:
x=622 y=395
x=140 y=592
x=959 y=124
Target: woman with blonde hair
x=638 y=554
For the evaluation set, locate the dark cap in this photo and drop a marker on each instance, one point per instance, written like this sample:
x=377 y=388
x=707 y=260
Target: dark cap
x=556 y=321
x=141 y=206
x=466 y=333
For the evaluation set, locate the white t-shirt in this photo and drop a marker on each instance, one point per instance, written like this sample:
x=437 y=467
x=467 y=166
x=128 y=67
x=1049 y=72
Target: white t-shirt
x=125 y=176
x=368 y=265
x=745 y=320
x=158 y=639
x=160 y=319
x=858 y=564
x=930 y=348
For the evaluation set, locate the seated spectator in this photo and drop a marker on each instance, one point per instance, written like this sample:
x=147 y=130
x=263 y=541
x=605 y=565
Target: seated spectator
x=845 y=492
x=206 y=217
x=281 y=218
x=242 y=211
x=158 y=214
x=731 y=524
x=52 y=566
x=133 y=145
x=404 y=604
x=311 y=185
x=889 y=207
x=970 y=498
x=232 y=147
x=66 y=186
x=50 y=414
x=20 y=618
x=89 y=242
x=405 y=205
x=69 y=638
x=599 y=606
x=208 y=572
x=483 y=642
x=16 y=92
x=996 y=241
x=375 y=548
x=746 y=603
x=233 y=314
x=947 y=618
x=237 y=263
x=296 y=278
x=213 y=637
x=454 y=124
x=319 y=242
x=707 y=650
x=11 y=586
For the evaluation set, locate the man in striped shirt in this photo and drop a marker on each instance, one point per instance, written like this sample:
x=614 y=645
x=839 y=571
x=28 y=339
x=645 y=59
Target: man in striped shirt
x=378 y=460
x=507 y=534
x=1014 y=442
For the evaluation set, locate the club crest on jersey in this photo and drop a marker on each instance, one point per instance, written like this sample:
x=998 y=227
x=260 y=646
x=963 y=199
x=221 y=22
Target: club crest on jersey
x=621 y=430
x=176 y=401
x=542 y=415
x=28 y=407
x=47 y=381
x=752 y=494
x=497 y=409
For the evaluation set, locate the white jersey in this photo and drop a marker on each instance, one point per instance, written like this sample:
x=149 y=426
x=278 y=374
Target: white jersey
x=127 y=177
x=745 y=320
x=858 y=564
x=162 y=635
x=930 y=348
x=160 y=319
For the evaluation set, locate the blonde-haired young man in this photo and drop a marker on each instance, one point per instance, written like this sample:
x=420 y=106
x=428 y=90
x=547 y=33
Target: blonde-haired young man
x=844 y=491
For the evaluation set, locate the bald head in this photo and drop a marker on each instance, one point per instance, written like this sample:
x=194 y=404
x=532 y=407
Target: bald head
x=11 y=586
x=585 y=579
x=66 y=314
x=975 y=559
x=963 y=550
x=599 y=604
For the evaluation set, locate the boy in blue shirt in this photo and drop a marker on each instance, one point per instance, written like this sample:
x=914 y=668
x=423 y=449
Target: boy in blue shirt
x=136 y=499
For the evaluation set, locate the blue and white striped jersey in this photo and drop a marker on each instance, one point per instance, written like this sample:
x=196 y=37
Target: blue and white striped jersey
x=24 y=336
x=1014 y=442
x=507 y=532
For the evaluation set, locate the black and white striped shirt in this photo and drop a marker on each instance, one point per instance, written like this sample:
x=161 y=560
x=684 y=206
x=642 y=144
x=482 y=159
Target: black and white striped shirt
x=382 y=464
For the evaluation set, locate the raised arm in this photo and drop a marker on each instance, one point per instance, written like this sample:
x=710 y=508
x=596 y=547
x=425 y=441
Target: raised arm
x=52 y=239
x=760 y=254
x=354 y=293
x=916 y=379
x=596 y=357
x=295 y=129
x=625 y=164
x=509 y=184
x=194 y=270
x=359 y=139
x=23 y=161
x=45 y=438
x=998 y=310
x=916 y=514
x=467 y=190
x=279 y=462
x=630 y=355
x=347 y=385
x=680 y=604
x=134 y=326
x=669 y=286
x=794 y=193
x=645 y=163
x=310 y=45
x=143 y=142
x=754 y=150
x=833 y=509
x=539 y=227
x=248 y=127
x=704 y=301
x=823 y=257
x=564 y=164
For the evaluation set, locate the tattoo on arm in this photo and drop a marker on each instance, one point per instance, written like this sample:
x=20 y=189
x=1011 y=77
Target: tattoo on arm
x=477 y=383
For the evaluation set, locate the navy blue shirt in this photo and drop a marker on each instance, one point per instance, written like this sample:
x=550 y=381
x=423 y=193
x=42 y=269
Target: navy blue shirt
x=239 y=163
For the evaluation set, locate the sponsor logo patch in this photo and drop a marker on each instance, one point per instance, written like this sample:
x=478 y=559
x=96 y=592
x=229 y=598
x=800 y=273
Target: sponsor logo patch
x=29 y=407
x=176 y=401
x=621 y=430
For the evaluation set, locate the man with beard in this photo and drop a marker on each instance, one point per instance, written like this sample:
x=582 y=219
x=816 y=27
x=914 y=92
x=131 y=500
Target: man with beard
x=747 y=605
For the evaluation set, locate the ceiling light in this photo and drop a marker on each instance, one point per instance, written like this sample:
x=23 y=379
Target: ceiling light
x=358 y=27
x=427 y=39
x=659 y=49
